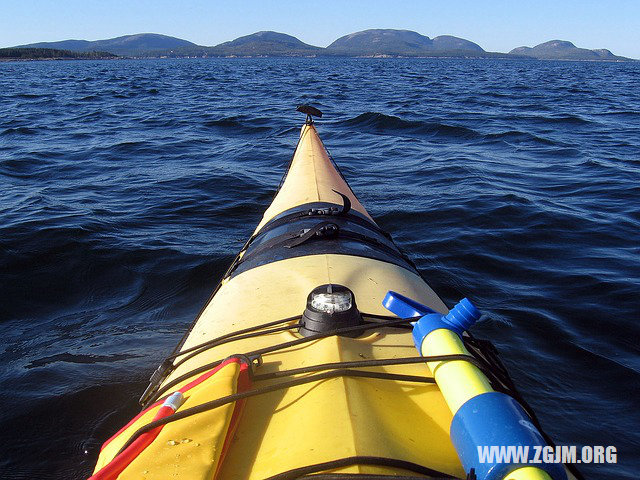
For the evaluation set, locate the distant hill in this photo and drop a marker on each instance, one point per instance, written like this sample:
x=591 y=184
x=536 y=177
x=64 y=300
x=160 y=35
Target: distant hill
x=49 y=54
x=402 y=43
x=265 y=43
x=448 y=42
x=141 y=44
x=368 y=43
x=563 y=50
x=382 y=42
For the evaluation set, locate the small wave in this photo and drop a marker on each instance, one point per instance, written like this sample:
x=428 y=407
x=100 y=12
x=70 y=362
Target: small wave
x=79 y=358
x=557 y=119
x=230 y=122
x=16 y=167
x=29 y=95
x=620 y=113
x=123 y=95
x=20 y=131
x=81 y=135
x=127 y=147
x=517 y=136
x=162 y=121
x=579 y=90
x=566 y=119
x=381 y=122
x=239 y=124
x=92 y=116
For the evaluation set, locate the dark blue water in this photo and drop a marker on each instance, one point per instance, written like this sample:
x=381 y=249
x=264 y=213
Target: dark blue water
x=128 y=186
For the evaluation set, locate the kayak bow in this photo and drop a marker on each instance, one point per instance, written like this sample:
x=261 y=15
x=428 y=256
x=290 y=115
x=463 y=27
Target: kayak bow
x=294 y=366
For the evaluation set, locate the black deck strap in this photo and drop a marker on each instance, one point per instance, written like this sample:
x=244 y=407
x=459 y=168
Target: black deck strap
x=266 y=245
x=345 y=202
x=347 y=364
x=286 y=238
x=363 y=476
x=297 y=473
x=369 y=240
x=321 y=230
x=336 y=210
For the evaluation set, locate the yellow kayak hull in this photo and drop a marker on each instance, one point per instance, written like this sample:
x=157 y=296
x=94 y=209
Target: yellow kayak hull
x=316 y=422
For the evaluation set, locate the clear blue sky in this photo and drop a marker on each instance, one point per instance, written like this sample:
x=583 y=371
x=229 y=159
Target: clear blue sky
x=497 y=25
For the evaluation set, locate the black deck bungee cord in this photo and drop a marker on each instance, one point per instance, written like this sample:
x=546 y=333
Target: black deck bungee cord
x=233 y=339
x=214 y=342
x=273 y=348
x=365 y=476
x=253 y=328
x=366 y=363
x=337 y=369
x=363 y=460
x=166 y=367
x=484 y=366
x=203 y=407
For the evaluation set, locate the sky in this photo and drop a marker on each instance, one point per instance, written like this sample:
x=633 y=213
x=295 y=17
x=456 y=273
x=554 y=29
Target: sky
x=496 y=25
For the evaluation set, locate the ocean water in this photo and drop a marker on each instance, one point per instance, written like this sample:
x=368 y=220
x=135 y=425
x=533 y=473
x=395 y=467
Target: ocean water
x=127 y=187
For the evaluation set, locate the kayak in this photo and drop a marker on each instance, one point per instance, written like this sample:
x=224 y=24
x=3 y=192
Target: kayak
x=323 y=353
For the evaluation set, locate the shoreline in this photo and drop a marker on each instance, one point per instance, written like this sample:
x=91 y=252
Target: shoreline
x=377 y=57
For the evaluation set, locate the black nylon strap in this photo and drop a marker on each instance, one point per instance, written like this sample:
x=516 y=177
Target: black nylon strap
x=319 y=231
x=327 y=212
x=362 y=460
x=363 y=476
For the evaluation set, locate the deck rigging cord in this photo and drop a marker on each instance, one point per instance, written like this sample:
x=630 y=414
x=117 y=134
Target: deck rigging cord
x=483 y=355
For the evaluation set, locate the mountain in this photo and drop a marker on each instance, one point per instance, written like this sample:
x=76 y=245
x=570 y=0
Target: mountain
x=563 y=50
x=448 y=42
x=368 y=43
x=402 y=43
x=382 y=42
x=140 y=44
x=265 y=43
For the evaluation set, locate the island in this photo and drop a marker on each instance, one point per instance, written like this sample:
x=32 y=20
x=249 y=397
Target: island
x=140 y=44
x=8 y=54
x=377 y=42
x=564 y=50
x=366 y=43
